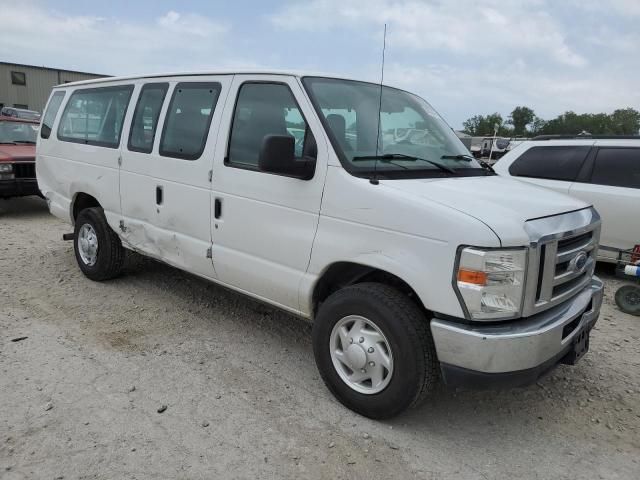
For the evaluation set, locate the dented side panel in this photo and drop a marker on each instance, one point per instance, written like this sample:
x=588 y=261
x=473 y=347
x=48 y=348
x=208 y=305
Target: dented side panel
x=165 y=200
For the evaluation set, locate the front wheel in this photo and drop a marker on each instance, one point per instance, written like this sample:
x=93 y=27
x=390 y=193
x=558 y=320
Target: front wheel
x=374 y=350
x=99 y=252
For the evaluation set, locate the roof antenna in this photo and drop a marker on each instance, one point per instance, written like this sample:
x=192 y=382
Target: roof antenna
x=374 y=178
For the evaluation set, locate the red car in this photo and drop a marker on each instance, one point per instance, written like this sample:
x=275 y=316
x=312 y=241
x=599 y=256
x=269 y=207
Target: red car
x=17 y=157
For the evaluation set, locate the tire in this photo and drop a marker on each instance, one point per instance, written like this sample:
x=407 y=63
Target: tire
x=415 y=367
x=628 y=299
x=109 y=253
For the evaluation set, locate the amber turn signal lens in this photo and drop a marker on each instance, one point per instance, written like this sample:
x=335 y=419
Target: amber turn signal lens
x=472 y=276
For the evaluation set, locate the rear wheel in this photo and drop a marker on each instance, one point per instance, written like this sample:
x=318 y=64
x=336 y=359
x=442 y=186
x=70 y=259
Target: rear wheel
x=628 y=299
x=374 y=350
x=99 y=252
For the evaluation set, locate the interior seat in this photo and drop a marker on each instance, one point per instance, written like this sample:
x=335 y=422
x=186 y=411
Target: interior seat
x=338 y=126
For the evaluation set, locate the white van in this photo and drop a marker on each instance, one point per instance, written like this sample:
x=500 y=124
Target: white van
x=415 y=263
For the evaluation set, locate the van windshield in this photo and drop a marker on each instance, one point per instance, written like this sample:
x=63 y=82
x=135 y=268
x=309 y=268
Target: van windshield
x=408 y=139
x=18 y=132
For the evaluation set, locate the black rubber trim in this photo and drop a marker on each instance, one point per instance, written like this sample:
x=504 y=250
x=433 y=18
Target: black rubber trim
x=454 y=376
x=18 y=188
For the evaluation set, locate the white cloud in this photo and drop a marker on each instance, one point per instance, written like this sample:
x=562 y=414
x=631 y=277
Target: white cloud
x=190 y=25
x=615 y=41
x=482 y=56
x=109 y=45
x=479 y=28
x=460 y=92
x=625 y=8
x=465 y=56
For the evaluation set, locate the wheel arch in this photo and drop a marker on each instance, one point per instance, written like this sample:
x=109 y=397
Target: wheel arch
x=82 y=200
x=343 y=273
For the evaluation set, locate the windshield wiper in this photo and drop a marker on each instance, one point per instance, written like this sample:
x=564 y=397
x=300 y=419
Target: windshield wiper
x=28 y=142
x=7 y=143
x=402 y=156
x=468 y=158
x=487 y=167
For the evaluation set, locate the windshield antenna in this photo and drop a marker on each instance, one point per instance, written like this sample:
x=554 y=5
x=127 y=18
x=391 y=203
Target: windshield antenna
x=374 y=179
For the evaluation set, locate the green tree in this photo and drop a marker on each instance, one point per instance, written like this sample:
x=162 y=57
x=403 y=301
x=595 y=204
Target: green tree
x=483 y=125
x=536 y=126
x=471 y=125
x=625 y=122
x=620 y=122
x=521 y=117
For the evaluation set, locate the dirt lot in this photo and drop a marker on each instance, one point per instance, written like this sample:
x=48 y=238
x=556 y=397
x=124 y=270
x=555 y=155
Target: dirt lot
x=79 y=397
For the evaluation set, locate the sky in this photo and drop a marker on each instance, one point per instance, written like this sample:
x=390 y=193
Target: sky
x=464 y=57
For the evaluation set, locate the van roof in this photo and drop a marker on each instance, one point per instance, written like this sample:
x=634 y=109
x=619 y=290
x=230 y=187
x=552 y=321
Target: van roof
x=290 y=73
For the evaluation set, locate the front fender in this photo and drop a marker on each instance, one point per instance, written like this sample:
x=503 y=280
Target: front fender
x=425 y=264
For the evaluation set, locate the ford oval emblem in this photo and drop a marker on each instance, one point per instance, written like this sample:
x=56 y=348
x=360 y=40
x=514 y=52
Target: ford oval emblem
x=578 y=262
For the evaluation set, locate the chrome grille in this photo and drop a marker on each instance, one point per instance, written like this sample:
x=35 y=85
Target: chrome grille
x=562 y=259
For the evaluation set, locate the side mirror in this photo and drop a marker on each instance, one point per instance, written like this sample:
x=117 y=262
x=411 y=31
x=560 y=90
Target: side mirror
x=277 y=155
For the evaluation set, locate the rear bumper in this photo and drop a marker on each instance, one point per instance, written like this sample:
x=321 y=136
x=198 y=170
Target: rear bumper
x=19 y=187
x=514 y=353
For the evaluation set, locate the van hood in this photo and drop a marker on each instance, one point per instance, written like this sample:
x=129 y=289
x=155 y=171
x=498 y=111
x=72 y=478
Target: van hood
x=503 y=204
x=9 y=152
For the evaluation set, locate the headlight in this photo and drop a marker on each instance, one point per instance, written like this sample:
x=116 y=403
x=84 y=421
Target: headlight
x=6 y=168
x=490 y=283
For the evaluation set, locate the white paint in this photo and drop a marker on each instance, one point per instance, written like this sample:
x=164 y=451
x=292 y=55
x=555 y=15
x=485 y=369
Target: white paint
x=178 y=230
x=277 y=235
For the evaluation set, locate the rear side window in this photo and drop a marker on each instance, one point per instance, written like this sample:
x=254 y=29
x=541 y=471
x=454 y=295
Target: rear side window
x=50 y=114
x=188 y=119
x=553 y=163
x=94 y=116
x=145 y=117
x=619 y=167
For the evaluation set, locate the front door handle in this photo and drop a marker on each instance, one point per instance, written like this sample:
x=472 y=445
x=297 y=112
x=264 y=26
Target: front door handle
x=159 y=195
x=217 y=208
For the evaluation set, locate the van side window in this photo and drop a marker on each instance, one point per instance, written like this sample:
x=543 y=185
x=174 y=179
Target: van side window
x=94 y=116
x=553 y=163
x=619 y=167
x=50 y=114
x=188 y=119
x=145 y=117
x=266 y=109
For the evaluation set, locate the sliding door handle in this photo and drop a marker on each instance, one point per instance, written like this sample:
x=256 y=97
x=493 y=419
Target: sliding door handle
x=217 y=208
x=159 y=195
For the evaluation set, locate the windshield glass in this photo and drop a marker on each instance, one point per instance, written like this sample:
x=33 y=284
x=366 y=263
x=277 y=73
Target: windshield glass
x=413 y=138
x=18 y=132
x=28 y=115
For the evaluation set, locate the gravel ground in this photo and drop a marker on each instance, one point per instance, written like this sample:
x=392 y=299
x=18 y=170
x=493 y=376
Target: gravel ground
x=80 y=396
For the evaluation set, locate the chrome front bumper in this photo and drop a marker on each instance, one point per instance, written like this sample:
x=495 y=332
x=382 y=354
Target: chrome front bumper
x=526 y=345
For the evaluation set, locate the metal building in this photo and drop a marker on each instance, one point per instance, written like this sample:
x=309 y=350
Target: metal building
x=29 y=86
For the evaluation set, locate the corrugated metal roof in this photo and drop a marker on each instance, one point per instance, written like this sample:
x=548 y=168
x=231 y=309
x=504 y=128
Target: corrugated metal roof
x=54 y=69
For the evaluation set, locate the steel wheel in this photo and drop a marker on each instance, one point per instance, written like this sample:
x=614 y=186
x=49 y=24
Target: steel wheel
x=88 y=244
x=361 y=354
